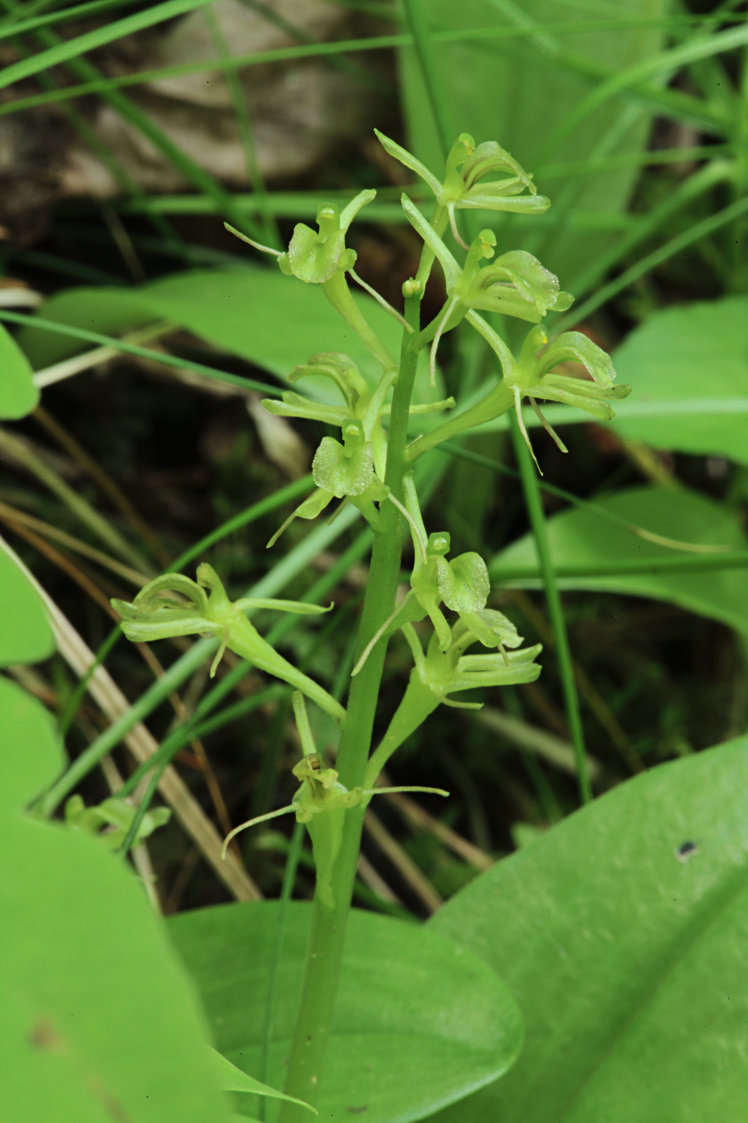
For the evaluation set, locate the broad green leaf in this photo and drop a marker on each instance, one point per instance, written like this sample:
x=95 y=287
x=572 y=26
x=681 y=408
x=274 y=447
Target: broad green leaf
x=520 y=88
x=622 y=933
x=254 y=312
x=25 y=634
x=18 y=395
x=30 y=751
x=689 y=370
x=590 y=552
x=98 y=1022
x=418 y=1022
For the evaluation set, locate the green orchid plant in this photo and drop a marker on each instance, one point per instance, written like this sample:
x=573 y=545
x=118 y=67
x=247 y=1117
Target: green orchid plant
x=370 y=462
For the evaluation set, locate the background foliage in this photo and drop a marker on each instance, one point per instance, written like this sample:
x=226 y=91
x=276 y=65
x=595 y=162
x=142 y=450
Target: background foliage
x=151 y=336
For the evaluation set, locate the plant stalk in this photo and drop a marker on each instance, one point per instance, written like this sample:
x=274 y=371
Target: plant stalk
x=325 y=952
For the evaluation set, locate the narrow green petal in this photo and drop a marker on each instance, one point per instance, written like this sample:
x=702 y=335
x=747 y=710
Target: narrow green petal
x=172 y=586
x=409 y=161
x=513 y=204
x=146 y=630
x=294 y=405
x=303 y=608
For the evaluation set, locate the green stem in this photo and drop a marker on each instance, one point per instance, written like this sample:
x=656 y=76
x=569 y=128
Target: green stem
x=439 y=225
x=325 y=951
x=555 y=610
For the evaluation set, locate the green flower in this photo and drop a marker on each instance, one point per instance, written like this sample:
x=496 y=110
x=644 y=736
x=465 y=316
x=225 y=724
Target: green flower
x=443 y=673
x=342 y=471
x=320 y=803
x=314 y=256
x=515 y=284
x=174 y=605
x=366 y=408
x=468 y=182
x=321 y=257
x=439 y=673
x=533 y=375
x=591 y=389
x=462 y=585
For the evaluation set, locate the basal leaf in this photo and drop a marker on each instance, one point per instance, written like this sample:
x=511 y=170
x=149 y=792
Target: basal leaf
x=589 y=552
x=418 y=1023
x=30 y=753
x=18 y=395
x=622 y=934
x=98 y=1021
x=521 y=87
x=689 y=370
x=25 y=634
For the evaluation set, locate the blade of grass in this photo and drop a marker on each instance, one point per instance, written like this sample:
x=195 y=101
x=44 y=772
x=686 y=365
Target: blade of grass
x=10 y=26
x=302 y=35
x=140 y=352
x=693 y=563
x=646 y=226
x=126 y=184
x=141 y=121
x=268 y=233
x=69 y=49
x=657 y=257
x=111 y=700
x=26 y=455
x=661 y=66
x=434 y=91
